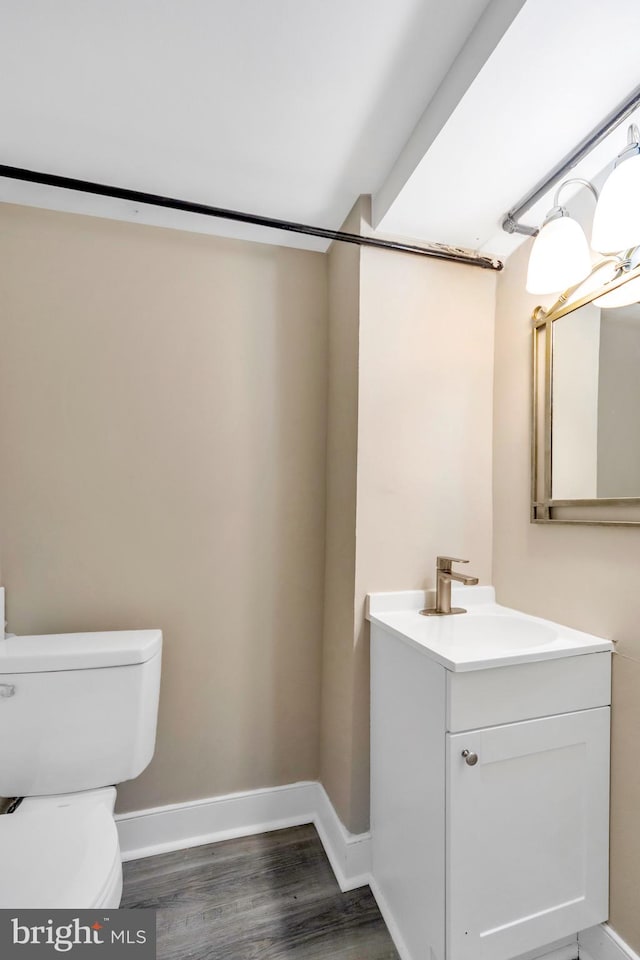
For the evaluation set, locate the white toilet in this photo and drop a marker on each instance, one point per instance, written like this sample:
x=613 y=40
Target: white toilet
x=78 y=713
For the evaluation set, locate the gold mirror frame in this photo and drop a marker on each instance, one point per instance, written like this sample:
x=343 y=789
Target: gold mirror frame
x=622 y=511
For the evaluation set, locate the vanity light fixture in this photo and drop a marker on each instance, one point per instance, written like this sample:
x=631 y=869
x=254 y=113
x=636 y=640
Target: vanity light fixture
x=560 y=255
x=611 y=279
x=560 y=258
x=616 y=224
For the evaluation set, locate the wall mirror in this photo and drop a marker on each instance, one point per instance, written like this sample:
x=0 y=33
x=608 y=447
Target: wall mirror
x=586 y=411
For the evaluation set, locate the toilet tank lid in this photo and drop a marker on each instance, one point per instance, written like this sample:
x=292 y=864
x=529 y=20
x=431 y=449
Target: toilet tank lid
x=78 y=651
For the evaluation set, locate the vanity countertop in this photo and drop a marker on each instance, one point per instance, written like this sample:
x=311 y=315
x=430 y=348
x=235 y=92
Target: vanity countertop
x=488 y=635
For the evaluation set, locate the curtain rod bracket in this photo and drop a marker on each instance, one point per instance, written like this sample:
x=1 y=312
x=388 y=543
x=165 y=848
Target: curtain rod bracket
x=509 y=225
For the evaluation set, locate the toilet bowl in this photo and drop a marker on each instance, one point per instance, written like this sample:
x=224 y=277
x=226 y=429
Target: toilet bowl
x=75 y=711
x=61 y=852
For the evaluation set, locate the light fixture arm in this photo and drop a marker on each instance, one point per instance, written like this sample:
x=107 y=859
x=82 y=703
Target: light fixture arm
x=557 y=210
x=565 y=183
x=557 y=309
x=632 y=147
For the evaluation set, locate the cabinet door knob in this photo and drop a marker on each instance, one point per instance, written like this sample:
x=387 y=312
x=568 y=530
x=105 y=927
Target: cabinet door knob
x=470 y=758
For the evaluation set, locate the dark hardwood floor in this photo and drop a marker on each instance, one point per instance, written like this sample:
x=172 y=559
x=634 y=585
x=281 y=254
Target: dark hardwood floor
x=266 y=897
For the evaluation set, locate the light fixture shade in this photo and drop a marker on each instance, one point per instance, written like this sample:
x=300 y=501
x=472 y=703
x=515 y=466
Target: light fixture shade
x=616 y=224
x=622 y=296
x=559 y=258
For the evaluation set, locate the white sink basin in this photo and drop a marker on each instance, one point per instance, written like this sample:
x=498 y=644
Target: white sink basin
x=502 y=633
x=488 y=635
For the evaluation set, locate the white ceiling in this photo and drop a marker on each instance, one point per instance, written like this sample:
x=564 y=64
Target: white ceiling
x=446 y=111
x=558 y=70
x=285 y=108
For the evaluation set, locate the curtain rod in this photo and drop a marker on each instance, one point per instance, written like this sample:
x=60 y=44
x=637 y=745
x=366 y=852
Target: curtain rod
x=437 y=251
x=597 y=135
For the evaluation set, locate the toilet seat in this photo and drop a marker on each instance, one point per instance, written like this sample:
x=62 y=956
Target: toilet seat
x=60 y=857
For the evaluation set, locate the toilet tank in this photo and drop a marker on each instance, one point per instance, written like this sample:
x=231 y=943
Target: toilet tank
x=77 y=711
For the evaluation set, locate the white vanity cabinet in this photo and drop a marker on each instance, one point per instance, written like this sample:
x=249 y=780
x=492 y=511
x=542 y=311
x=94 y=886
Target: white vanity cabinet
x=490 y=800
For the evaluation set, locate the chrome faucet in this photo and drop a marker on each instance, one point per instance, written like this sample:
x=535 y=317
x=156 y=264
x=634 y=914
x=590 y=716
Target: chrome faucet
x=444 y=576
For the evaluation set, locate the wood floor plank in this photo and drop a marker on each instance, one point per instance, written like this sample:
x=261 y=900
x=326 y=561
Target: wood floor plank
x=268 y=897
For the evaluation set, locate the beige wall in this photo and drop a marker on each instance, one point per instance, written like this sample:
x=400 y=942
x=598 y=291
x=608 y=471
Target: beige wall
x=584 y=577
x=162 y=420
x=163 y=416
x=424 y=440
x=336 y=742
x=424 y=363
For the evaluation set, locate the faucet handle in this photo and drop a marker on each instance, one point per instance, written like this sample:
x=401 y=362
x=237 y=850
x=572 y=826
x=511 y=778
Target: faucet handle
x=444 y=563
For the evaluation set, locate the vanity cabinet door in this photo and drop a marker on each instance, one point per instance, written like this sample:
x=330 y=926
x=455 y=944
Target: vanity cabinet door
x=526 y=834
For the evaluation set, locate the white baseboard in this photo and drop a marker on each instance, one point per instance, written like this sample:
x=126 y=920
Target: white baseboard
x=146 y=833
x=603 y=943
x=349 y=853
